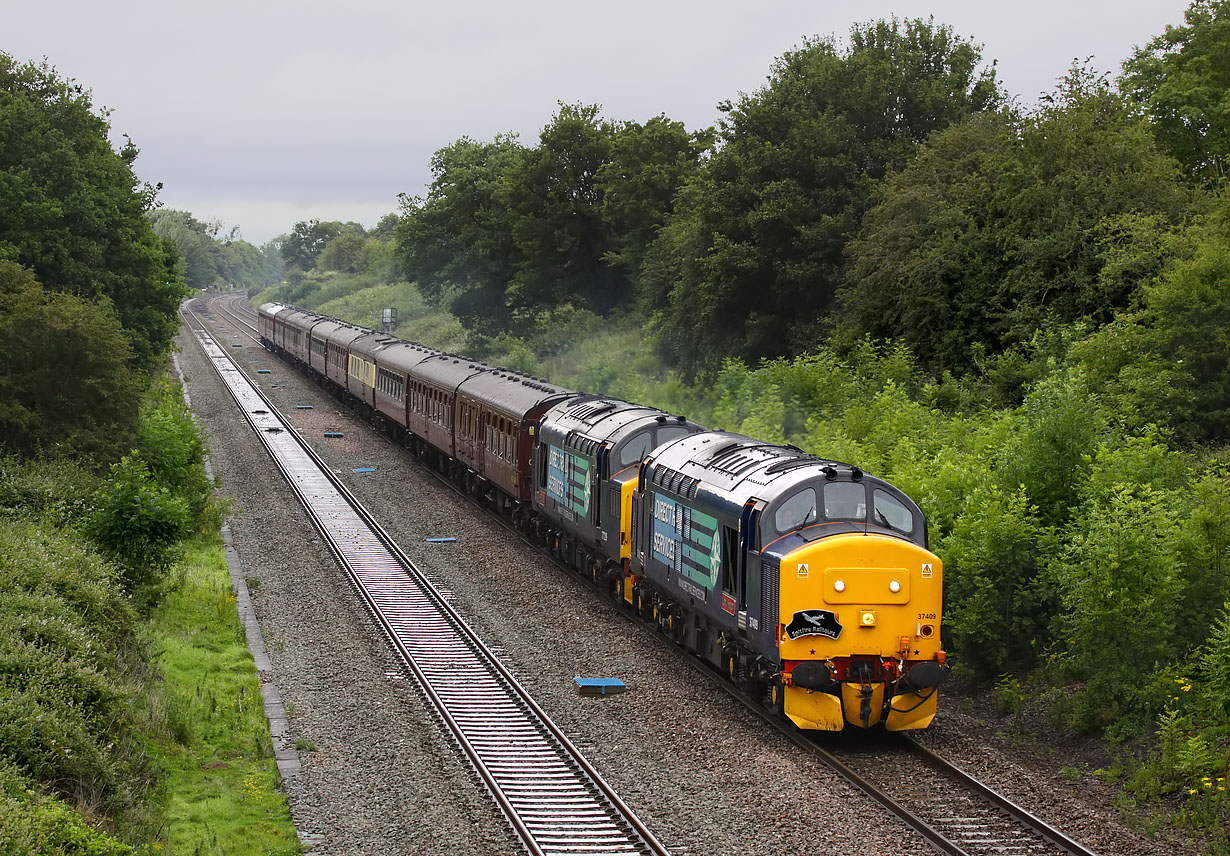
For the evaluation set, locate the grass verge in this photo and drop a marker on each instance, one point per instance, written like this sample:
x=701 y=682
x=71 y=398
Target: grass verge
x=221 y=791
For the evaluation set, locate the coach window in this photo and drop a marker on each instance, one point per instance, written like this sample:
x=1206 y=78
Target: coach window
x=799 y=510
x=890 y=512
x=845 y=501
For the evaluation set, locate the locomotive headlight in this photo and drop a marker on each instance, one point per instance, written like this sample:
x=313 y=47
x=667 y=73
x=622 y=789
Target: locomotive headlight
x=867 y=618
x=839 y=585
x=894 y=586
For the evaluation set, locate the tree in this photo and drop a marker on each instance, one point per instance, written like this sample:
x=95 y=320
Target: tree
x=305 y=242
x=72 y=210
x=1169 y=360
x=65 y=381
x=251 y=267
x=1182 y=81
x=201 y=257
x=647 y=166
x=559 y=235
x=459 y=238
x=343 y=252
x=788 y=186
x=1005 y=224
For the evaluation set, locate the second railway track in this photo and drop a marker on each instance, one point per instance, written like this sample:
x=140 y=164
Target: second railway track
x=553 y=798
x=953 y=812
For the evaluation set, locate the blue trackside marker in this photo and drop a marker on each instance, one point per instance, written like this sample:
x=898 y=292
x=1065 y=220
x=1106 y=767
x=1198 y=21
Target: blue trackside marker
x=333 y=434
x=277 y=386
x=303 y=406
x=236 y=345
x=600 y=686
x=363 y=470
x=263 y=371
x=439 y=540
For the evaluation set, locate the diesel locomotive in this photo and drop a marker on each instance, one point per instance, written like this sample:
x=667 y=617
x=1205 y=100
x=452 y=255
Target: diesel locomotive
x=808 y=582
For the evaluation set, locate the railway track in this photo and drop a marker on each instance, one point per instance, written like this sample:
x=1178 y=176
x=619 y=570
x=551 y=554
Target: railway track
x=953 y=812
x=555 y=801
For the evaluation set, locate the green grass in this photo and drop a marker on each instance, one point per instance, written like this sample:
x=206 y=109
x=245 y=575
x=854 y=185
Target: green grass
x=221 y=793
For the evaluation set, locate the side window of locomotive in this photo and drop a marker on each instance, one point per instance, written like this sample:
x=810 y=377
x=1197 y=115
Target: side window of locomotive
x=635 y=449
x=798 y=510
x=889 y=511
x=845 y=501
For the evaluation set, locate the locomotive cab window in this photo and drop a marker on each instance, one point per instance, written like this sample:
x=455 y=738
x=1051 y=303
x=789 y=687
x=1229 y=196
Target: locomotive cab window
x=889 y=511
x=635 y=449
x=799 y=510
x=845 y=501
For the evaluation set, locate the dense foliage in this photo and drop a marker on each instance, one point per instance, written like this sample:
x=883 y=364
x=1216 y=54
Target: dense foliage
x=66 y=382
x=72 y=210
x=1182 y=79
x=83 y=558
x=764 y=226
x=1007 y=223
x=211 y=259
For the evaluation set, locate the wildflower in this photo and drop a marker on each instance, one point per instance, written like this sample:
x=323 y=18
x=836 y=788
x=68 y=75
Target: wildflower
x=1187 y=688
x=1192 y=791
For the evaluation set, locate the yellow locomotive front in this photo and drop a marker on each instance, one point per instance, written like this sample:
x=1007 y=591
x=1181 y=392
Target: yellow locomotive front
x=859 y=632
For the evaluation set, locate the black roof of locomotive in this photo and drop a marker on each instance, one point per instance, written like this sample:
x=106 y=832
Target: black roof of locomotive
x=743 y=467
x=603 y=419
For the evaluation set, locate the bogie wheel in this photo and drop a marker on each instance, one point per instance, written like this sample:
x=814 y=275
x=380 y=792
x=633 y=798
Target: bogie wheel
x=730 y=665
x=777 y=696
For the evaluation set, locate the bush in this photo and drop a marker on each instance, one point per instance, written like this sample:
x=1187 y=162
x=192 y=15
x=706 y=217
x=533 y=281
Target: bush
x=1119 y=579
x=61 y=491
x=66 y=385
x=139 y=525
x=171 y=445
x=998 y=607
x=36 y=825
x=68 y=654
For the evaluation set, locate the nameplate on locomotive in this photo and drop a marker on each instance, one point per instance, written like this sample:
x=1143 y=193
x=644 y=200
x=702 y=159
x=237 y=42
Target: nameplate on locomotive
x=813 y=622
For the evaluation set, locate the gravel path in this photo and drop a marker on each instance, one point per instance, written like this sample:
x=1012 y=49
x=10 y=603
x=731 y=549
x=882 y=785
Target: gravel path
x=704 y=774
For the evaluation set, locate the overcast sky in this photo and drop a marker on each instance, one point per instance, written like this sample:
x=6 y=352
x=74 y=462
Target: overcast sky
x=263 y=113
